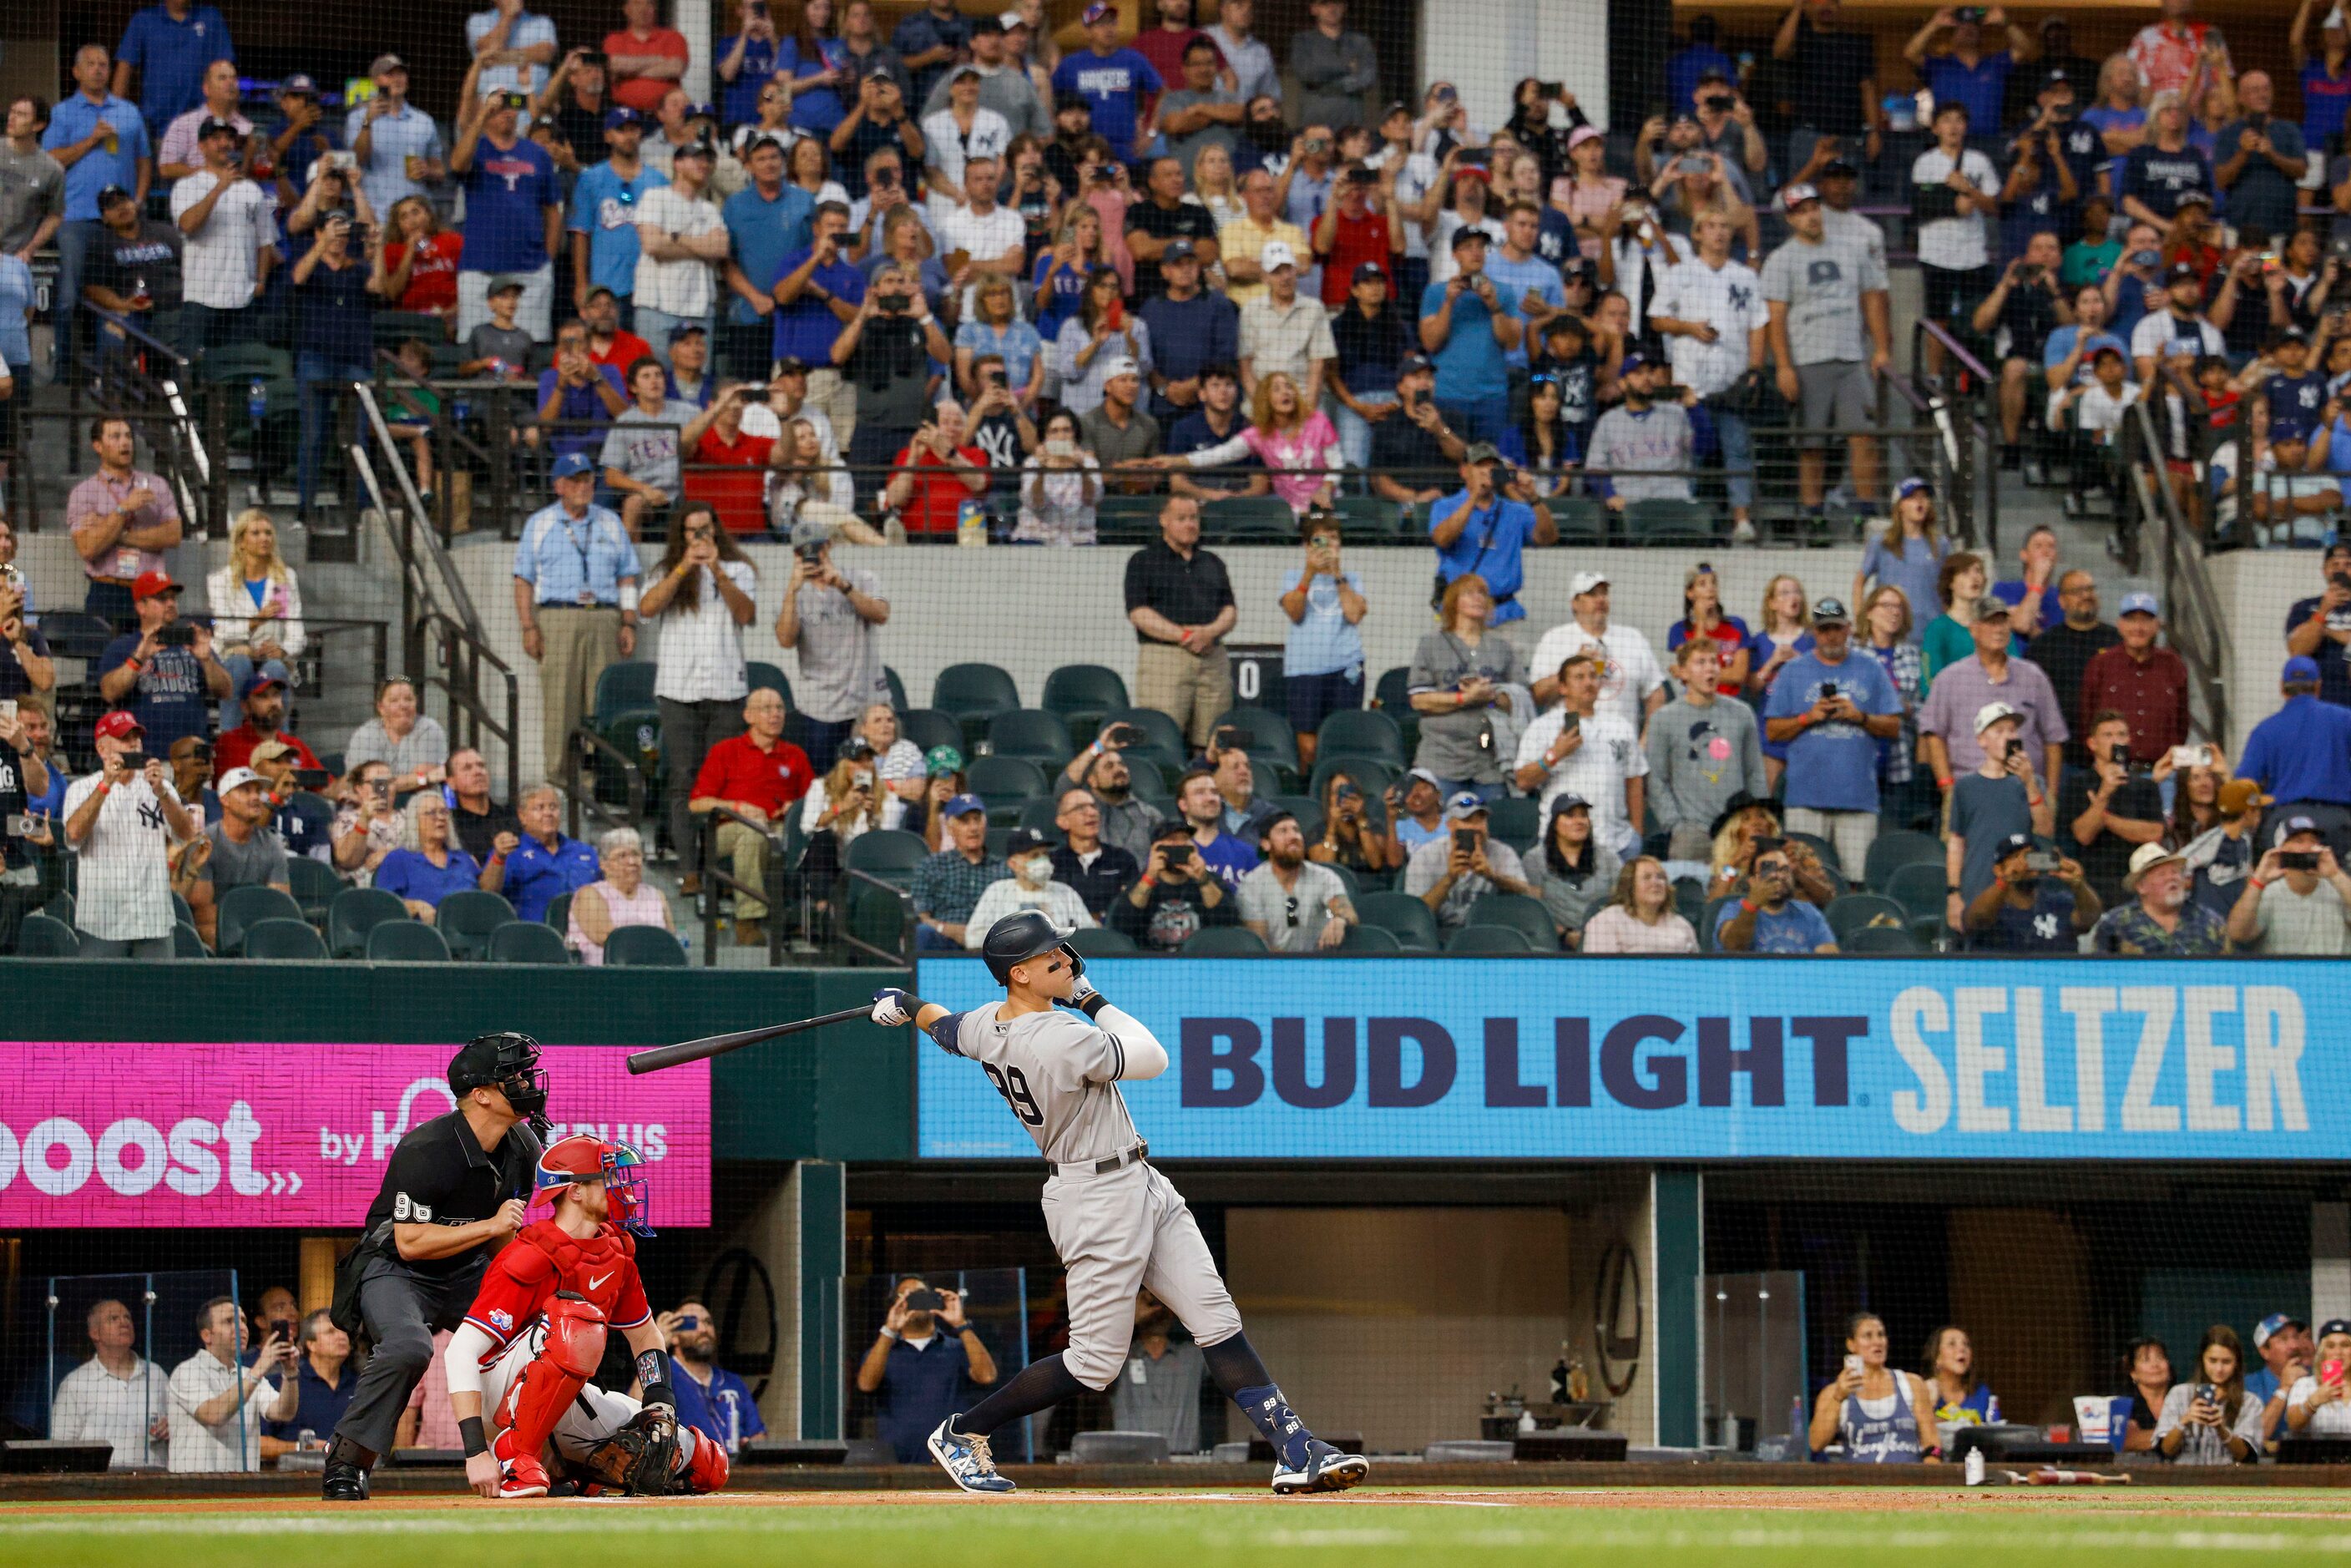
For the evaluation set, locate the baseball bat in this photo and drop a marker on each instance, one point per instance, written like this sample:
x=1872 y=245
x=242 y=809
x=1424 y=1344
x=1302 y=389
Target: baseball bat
x=661 y=1056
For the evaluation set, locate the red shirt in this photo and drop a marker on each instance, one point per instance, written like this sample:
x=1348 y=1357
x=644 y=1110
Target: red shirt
x=1358 y=240
x=740 y=499
x=627 y=350
x=645 y=94
x=938 y=493
x=2152 y=696
x=432 y=281
x=736 y=771
x=234 y=748
x=1165 y=49
x=526 y=1274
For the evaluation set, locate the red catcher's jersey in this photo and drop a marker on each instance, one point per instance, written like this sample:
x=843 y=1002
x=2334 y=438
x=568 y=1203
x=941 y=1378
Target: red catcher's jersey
x=543 y=1259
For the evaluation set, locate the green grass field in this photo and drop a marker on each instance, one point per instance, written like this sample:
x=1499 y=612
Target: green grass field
x=1640 y=1528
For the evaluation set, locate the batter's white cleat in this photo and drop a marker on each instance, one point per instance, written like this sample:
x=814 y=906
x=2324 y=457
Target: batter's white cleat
x=967 y=1460
x=1326 y=1470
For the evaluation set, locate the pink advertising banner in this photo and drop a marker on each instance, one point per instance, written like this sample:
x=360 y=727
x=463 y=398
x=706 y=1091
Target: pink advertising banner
x=98 y=1133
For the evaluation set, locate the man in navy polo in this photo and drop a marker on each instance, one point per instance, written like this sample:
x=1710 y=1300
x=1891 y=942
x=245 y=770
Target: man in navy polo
x=101 y=142
x=514 y=212
x=2301 y=757
x=169 y=46
x=709 y=1397
x=926 y=1365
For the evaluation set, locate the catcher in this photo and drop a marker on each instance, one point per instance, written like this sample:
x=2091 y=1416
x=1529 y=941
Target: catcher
x=534 y=1335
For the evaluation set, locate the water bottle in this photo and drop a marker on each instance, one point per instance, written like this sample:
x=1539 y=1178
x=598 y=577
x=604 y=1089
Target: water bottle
x=971 y=524
x=256 y=400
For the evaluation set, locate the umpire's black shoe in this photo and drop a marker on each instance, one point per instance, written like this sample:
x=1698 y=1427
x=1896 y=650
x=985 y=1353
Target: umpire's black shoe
x=345 y=1482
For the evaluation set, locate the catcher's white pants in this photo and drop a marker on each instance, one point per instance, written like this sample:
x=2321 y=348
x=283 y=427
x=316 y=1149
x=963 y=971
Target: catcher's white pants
x=593 y=1414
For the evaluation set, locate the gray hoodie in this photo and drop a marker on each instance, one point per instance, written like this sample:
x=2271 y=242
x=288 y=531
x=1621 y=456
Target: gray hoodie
x=1699 y=756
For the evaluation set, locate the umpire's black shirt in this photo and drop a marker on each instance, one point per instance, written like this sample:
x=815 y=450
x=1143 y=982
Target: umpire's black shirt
x=440 y=1175
x=1189 y=593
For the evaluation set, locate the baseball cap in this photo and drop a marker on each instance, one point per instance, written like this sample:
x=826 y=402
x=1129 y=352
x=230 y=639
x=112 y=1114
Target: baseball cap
x=1467 y=804
x=2010 y=844
x=2239 y=796
x=1482 y=452
x=2298 y=824
x=1177 y=250
x=1796 y=195
x=504 y=283
x=1829 y=610
x=110 y=194
x=700 y=111
x=1469 y=233
x=2301 y=667
x=1568 y=801
x=620 y=114
x=964 y=70
x=1121 y=366
x=2145 y=859
x=1099 y=13
x=697 y=148
x=1584 y=582
x=1989 y=606
x=2104 y=350
x=1632 y=362
x=2290 y=335
x=688 y=329
x=2334 y=1325
x=2181 y=272
x=1023 y=840
x=260 y=679
x=387 y=63
x=756 y=143
x=1913 y=485
x=119 y=726
x=880 y=73
x=212 y=127
x=1473 y=171
x=1991 y=713
x=2140 y=603
x=152 y=583
x=809 y=531
x=964 y=805
x=941 y=760
x=791 y=365
x=1840 y=169
x=1413 y=365
x=1364 y=271
x=1425 y=777
x=987 y=25
x=1007 y=20
x=300 y=82
x=571 y=464
x=1581 y=134
x=1276 y=256
x=2191 y=199
x=2054 y=77
x=271 y=751
x=237 y=778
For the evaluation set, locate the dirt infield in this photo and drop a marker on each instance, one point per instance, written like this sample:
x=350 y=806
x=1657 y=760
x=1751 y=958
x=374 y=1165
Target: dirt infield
x=2109 y=1501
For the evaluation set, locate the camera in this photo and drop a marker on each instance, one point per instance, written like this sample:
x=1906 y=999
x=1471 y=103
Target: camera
x=890 y=304
x=1720 y=102
x=811 y=553
x=2041 y=862
x=1347 y=793
x=20 y=825
x=178 y=634
x=924 y=1301
x=2298 y=860
x=2146 y=258
x=313 y=778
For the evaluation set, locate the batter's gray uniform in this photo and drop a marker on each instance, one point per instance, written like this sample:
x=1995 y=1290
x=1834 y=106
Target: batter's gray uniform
x=1117 y=1223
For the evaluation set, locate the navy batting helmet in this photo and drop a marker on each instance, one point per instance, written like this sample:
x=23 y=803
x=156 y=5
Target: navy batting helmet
x=1017 y=938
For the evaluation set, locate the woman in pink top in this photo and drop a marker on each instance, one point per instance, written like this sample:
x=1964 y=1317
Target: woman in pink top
x=1587 y=192
x=1298 y=444
x=620 y=897
x=1641 y=918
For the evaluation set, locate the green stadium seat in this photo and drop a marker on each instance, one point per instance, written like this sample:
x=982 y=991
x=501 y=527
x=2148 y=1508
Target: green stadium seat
x=1270 y=738
x=241 y=907
x=1362 y=732
x=1859 y=912
x=1223 y=942
x=315 y=885
x=466 y=918
x=627 y=684
x=1891 y=851
x=973 y=694
x=356 y=912
x=1659 y=521
x=1249 y=519
x=406 y=941
x=889 y=853
x=1882 y=939
x=764 y=677
x=1006 y=783
x=527 y=942
x=1082 y=694
x=45 y=936
x=284 y=941
x=1581 y=519
x=1497 y=940
x=1402 y=916
x=1362 y=938
x=559 y=914
x=928 y=727
x=1101 y=942
x=643 y=947
x=186 y=943
x=1034 y=733
x=1516 y=912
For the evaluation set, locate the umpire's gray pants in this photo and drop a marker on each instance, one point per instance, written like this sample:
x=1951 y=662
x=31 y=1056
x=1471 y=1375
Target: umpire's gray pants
x=1117 y=1234
x=402 y=1307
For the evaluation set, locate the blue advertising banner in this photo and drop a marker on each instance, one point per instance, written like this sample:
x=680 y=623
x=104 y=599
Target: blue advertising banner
x=1702 y=1060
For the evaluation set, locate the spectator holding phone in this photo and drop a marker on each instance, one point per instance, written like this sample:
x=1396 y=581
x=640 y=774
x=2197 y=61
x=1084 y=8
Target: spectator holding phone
x=370 y=826
x=1769 y=917
x=2106 y=810
x=1415 y=806
x=219 y=1404
x=2298 y=900
x=710 y=1398
x=2320 y=1406
x=2037 y=902
x=1177 y=896
x=323 y=1381
x=922 y=1375
x=1450 y=873
x=166 y=674
x=120 y=820
x=2211 y=1420
x=1128 y=820
x=1349 y=836
x=2001 y=801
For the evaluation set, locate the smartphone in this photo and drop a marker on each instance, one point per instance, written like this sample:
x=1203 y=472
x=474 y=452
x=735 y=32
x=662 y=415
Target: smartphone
x=2041 y=862
x=2119 y=755
x=313 y=778
x=7 y=710
x=2191 y=756
x=1465 y=841
x=178 y=634
x=2207 y=1394
x=2330 y=1372
x=2015 y=749
x=924 y=1301
x=2298 y=860
x=688 y=1323
x=1117 y=315
x=1853 y=1364
x=1829 y=691
x=134 y=761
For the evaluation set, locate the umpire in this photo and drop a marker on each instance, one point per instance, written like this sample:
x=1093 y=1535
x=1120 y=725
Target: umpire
x=455 y=1192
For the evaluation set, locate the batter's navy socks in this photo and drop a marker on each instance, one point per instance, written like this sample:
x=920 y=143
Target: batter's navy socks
x=965 y=1459
x=1272 y=1416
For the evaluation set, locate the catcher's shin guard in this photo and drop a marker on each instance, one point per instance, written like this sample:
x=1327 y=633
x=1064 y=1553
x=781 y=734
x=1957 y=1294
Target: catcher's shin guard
x=705 y=1465
x=567 y=1356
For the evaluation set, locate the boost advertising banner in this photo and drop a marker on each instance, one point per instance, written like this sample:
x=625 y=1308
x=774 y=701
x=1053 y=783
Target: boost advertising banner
x=1670 y=1059
x=138 y=1135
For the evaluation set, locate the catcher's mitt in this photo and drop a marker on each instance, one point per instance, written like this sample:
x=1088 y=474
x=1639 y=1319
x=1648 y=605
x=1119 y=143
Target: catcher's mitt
x=640 y=1458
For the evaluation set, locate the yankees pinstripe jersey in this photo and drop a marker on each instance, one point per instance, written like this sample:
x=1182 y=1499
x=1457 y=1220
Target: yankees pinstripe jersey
x=1730 y=299
x=1056 y=1072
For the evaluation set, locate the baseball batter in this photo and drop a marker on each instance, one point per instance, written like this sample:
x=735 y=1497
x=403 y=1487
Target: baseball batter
x=534 y=1335
x=1117 y=1222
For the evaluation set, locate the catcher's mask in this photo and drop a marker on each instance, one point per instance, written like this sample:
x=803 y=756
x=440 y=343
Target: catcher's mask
x=621 y=1170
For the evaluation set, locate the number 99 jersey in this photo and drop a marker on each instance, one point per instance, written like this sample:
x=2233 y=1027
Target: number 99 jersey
x=1057 y=1072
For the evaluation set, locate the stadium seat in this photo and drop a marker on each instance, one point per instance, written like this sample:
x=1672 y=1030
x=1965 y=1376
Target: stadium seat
x=242 y=906
x=1362 y=938
x=1038 y=815
x=628 y=685
x=973 y=694
x=406 y=941
x=889 y=853
x=1361 y=732
x=897 y=687
x=186 y=943
x=1270 y=740
x=1494 y=940
x=643 y=947
x=1100 y=942
x=1082 y=694
x=1222 y=942
x=1516 y=820
x=764 y=676
x=1882 y=939
x=356 y=912
x=315 y=885
x=1658 y=521
x=1005 y=783
x=1127 y=519
x=928 y=727
x=1581 y=519
x=1689 y=900
x=1305 y=808
x=1516 y=912
x=43 y=936
x=468 y=917
x=72 y=634
x=1249 y=519
x=527 y=942
x=1857 y=912
x=1820 y=846
x=180 y=910
x=877 y=917
x=1402 y=916
x=1033 y=733
x=1891 y=851
x=1369 y=517
x=1371 y=776
x=279 y=940
x=60 y=908
x=1706 y=919
x=558 y=913
x=1921 y=889
x=1392 y=696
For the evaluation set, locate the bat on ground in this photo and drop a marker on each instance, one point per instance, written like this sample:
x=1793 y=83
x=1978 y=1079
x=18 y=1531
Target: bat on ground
x=661 y=1056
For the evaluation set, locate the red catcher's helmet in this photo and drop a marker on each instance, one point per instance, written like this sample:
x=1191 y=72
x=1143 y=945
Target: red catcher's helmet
x=584 y=1157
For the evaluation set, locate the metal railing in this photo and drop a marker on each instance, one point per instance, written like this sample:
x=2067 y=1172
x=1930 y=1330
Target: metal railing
x=2194 y=622
x=858 y=885
x=1968 y=427
x=716 y=878
x=586 y=761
